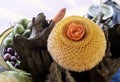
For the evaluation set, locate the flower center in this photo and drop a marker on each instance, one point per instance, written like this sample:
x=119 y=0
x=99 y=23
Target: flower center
x=75 y=32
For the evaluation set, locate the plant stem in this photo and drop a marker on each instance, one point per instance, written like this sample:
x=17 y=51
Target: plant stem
x=100 y=9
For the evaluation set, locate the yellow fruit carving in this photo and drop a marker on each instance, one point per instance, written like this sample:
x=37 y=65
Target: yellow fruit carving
x=77 y=54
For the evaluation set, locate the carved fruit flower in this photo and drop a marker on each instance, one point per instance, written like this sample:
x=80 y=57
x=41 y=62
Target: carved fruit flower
x=75 y=31
x=77 y=44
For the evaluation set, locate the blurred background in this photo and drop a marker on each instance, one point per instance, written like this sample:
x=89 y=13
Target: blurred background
x=12 y=11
